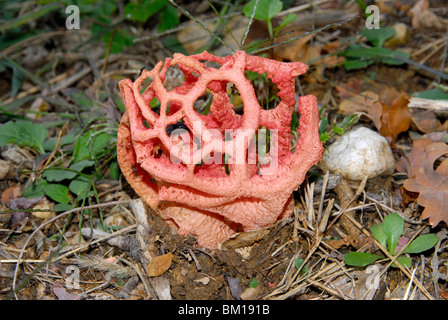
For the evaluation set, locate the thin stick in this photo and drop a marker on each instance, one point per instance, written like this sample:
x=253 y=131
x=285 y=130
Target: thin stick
x=188 y=14
x=250 y=23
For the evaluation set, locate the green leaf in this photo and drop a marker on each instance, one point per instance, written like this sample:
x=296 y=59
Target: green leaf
x=168 y=18
x=100 y=143
x=60 y=207
x=59 y=174
x=29 y=16
x=404 y=261
x=143 y=10
x=35 y=190
x=24 y=133
x=81 y=165
x=16 y=83
x=50 y=143
x=351 y=64
x=378 y=36
x=434 y=94
x=349 y=121
x=265 y=11
x=393 y=228
x=422 y=243
x=254 y=283
x=79 y=185
x=393 y=57
x=90 y=145
x=298 y=264
x=81 y=99
x=58 y=193
x=122 y=38
x=378 y=232
x=287 y=20
x=323 y=124
x=360 y=259
x=114 y=172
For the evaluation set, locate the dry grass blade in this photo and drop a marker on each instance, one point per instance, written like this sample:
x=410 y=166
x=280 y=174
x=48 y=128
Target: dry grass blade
x=328 y=26
x=201 y=24
x=251 y=19
x=99 y=263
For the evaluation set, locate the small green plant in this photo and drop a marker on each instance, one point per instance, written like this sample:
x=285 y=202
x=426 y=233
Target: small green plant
x=389 y=235
x=359 y=56
x=71 y=164
x=298 y=263
x=326 y=131
x=113 y=31
x=265 y=10
x=254 y=283
x=73 y=183
x=24 y=133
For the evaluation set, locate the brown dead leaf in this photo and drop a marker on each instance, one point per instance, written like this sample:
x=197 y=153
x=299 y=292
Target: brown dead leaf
x=356 y=96
x=338 y=243
x=160 y=264
x=407 y=197
x=416 y=11
x=291 y=51
x=63 y=294
x=430 y=183
x=11 y=194
x=423 y=18
x=358 y=103
x=43 y=209
x=350 y=88
x=426 y=121
x=391 y=120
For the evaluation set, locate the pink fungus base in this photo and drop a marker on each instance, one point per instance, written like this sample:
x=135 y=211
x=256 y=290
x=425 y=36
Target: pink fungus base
x=200 y=197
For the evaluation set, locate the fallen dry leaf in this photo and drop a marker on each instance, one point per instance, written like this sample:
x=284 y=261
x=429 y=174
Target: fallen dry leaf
x=21 y=203
x=391 y=120
x=43 y=209
x=416 y=11
x=427 y=121
x=63 y=294
x=423 y=18
x=338 y=243
x=430 y=183
x=291 y=51
x=358 y=103
x=11 y=193
x=160 y=264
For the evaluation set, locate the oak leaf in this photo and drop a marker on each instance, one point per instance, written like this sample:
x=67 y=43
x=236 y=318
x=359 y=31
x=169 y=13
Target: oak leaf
x=392 y=120
x=430 y=183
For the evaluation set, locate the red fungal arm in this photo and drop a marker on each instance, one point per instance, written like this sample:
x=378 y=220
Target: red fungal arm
x=192 y=194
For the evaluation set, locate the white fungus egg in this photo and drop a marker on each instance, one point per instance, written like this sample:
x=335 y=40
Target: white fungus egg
x=359 y=153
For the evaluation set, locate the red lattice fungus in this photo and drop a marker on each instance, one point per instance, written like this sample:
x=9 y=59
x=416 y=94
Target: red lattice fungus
x=211 y=181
